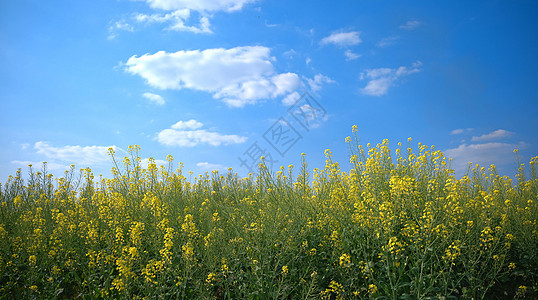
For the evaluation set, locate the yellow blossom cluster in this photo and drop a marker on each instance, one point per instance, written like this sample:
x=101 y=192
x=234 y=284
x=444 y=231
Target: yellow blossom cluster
x=396 y=224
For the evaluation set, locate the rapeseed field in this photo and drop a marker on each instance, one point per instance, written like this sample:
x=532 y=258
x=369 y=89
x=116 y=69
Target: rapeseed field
x=397 y=225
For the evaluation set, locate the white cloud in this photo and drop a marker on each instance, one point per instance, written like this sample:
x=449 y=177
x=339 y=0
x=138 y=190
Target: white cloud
x=37 y=165
x=486 y=154
x=116 y=26
x=313 y=117
x=341 y=38
x=190 y=124
x=157 y=99
x=237 y=76
x=350 y=55
x=460 y=131
x=180 y=12
x=410 y=25
x=316 y=83
x=80 y=155
x=388 y=41
x=291 y=99
x=210 y=167
x=495 y=135
x=187 y=134
x=177 y=20
x=25 y=146
x=381 y=79
x=199 y=5
x=270 y=25
x=290 y=53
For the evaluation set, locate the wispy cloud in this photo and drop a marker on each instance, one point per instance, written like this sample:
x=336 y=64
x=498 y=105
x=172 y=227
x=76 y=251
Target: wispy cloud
x=381 y=79
x=495 y=135
x=188 y=134
x=311 y=116
x=210 y=167
x=237 y=76
x=270 y=25
x=460 y=131
x=51 y=166
x=341 y=38
x=74 y=154
x=388 y=41
x=157 y=99
x=116 y=26
x=290 y=53
x=499 y=154
x=410 y=25
x=350 y=55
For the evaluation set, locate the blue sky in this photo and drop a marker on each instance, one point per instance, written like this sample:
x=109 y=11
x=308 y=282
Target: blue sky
x=216 y=83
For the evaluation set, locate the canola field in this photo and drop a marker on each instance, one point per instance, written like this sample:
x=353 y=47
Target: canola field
x=396 y=225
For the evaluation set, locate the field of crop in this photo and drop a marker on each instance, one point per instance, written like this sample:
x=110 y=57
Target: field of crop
x=397 y=225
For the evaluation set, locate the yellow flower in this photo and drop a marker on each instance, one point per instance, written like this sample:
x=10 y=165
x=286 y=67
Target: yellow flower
x=372 y=289
x=345 y=261
x=33 y=288
x=118 y=284
x=188 y=251
x=521 y=291
x=210 y=278
x=285 y=270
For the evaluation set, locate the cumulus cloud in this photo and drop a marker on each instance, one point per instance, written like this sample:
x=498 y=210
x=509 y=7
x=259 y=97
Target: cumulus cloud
x=381 y=79
x=178 y=13
x=157 y=99
x=177 y=20
x=316 y=83
x=188 y=134
x=291 y=99
x=210 y=167
x=199 y=5
x=410 y=25
x=495 y=135
x=485 y=154
x=190 y=124
x=350 y=55
x=341 y=38
x=237 y=76
x=80 y=155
